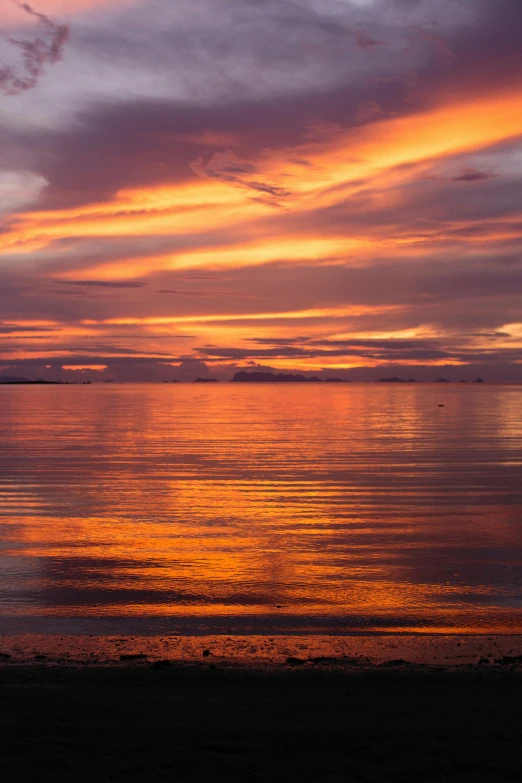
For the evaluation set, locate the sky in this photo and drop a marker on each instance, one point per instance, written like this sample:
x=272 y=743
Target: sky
x=193 y=187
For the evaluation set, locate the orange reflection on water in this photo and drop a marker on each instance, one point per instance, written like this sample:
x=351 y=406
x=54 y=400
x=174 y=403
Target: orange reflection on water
x=356 y=506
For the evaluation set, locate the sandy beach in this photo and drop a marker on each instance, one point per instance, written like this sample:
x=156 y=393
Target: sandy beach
x=193 y=723
x=266 y=652
x=128 y=714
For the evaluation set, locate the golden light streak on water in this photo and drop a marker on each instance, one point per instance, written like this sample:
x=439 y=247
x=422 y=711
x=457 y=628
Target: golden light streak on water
x=270 y=509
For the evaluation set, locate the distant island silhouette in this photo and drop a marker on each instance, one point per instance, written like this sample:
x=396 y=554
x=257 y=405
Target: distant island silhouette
x=13 y=380
x=270 y=377
x=239 y=377
x=396 y=380
x=412 y=380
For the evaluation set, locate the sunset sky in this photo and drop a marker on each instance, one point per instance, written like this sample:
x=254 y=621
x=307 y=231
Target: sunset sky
x=192 y=187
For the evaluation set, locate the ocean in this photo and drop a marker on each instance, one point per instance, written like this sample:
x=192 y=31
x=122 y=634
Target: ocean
x=251 y=508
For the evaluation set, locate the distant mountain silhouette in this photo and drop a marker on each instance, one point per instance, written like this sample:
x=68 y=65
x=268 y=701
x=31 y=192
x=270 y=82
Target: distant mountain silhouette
x=391 y=380
x=205 y=380
x=478 y=380
x=270 y=377
x=13 y=380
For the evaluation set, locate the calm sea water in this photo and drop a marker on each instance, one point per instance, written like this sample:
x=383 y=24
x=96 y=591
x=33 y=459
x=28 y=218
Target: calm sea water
x=358 y=507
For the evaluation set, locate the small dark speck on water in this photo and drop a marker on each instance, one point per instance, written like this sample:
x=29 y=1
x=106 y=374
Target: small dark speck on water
x=206 y=653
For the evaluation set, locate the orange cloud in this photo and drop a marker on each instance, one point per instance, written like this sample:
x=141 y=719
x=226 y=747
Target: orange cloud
x=372 y=150
x=324 y=312
x=79 y=367
x=261 y=252
x=167 y=211
x=380 y=154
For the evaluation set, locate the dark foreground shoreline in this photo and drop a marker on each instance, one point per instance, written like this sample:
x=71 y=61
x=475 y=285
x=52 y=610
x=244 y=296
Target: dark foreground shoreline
x=199 y=722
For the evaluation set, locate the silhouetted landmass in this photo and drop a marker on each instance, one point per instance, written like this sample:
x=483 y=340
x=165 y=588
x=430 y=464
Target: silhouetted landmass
x=270 y=377
x=205 y=380
x=442 y=380
x=13 y=380
x=478 y=380
x=391 y=380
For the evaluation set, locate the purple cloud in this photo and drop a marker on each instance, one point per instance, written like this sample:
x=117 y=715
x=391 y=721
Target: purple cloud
x=36 y=53
x=365 y=41
x=472 y=175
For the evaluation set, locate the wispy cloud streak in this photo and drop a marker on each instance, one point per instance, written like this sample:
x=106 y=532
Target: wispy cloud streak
x=35 y=54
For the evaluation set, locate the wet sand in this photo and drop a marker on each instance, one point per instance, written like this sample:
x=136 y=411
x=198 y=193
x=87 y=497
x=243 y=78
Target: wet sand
x=138 y=716
x=264 y=651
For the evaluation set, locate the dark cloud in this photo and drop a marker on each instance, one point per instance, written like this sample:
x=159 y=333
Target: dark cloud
x=286 y=352
x=264 y=353
x=90 y=359
x=492 y=335
x=279 y=340
x=365 y=41
x=422 y=35
x=205 y=293
x=14 y=329
x=119 y=368
x=35 y=54
x=472 y=175
x=104 y=283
